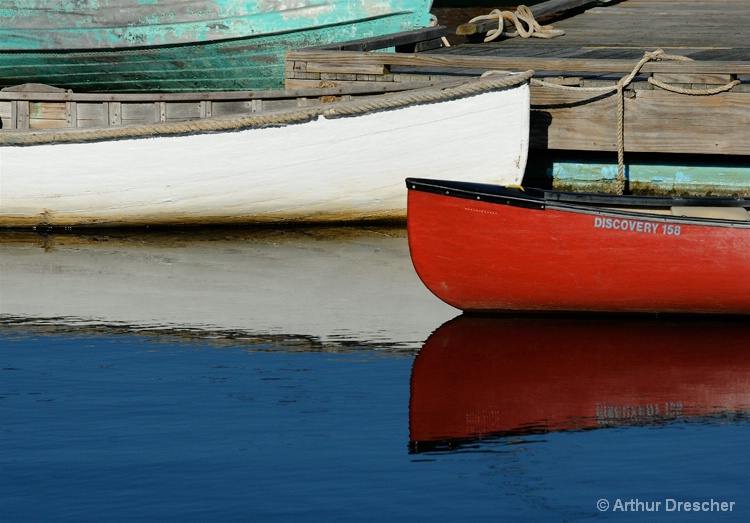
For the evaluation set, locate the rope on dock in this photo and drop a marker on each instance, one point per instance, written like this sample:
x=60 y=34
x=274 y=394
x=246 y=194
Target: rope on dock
x=693 y=92
x=438 y=93
x=434 y=23
x=521 y=16
x=620 y=86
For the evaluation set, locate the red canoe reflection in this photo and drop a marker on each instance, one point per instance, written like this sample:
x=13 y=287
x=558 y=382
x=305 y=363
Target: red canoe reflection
x=481 y=376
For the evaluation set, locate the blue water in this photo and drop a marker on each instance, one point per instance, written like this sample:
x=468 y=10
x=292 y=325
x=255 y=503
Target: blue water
x=280 y=375
x=120 y=426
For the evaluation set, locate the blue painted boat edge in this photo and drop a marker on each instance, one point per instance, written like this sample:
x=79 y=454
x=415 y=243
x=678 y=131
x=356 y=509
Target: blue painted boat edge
x=245 y=64
x=646 y=174
x=254 y=62
x=123 y=24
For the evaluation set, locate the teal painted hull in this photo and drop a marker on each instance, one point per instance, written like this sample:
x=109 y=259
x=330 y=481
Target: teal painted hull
x=163 y=45
x=654 y=178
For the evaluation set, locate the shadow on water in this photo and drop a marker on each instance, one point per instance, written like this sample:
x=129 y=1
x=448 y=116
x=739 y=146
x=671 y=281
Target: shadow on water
x=480 y=378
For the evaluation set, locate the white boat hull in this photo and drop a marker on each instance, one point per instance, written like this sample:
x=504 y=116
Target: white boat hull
x=321 y=170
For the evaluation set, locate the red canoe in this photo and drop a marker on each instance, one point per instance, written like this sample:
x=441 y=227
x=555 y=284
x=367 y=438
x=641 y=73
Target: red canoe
x=489 y=248
x=503 y=376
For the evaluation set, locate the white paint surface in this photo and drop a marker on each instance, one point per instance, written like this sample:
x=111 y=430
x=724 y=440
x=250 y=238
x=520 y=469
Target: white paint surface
x=338 y=169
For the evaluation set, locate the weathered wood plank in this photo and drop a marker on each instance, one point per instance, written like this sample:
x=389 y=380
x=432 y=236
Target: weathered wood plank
x=310 y=84
x=183 y=111
x=714 y=79
x=355 y=68
x=5 y=112
x=404 y=38
x=21 y=117
x=111 y=111
x=206 y=109
x=552 y=7
x=354 y=89
x=518 y=63
x=47 y=111
x=650 y=24
x=655 y=121
x=115 y=114
x=71 y=109
x=44 y=115
x=140 y=112
x=296 y=83
x=92 y=114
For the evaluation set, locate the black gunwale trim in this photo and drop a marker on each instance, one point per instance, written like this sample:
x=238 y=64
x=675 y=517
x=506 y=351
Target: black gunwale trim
x=615 y=200
x=479 y=192
x=499 y=194
x=585 y=203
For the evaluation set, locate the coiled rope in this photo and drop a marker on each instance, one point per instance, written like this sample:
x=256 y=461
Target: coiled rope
x=524 y=22
x=619 y=87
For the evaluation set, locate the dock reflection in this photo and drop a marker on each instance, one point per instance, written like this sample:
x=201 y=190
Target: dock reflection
x=479 y=377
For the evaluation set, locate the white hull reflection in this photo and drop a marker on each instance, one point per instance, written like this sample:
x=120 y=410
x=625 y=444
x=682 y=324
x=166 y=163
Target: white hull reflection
x=328 y=288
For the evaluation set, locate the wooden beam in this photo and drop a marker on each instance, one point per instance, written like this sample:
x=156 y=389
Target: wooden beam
x=356 y=68
x=553 y=7
x=412 y=37
x=688 y=79
x=71 y=114
x=115 y=113
x=566 y=65
x=67 y=96
x=22 y=116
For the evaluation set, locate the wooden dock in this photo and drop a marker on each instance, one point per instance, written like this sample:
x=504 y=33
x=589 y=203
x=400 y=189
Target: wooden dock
x=698 y=105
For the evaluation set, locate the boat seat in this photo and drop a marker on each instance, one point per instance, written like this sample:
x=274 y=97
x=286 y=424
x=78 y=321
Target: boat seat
x=719 y=213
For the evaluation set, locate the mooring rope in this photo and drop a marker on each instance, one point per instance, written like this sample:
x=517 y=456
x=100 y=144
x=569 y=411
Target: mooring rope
x=428 y=95
x=693 y=92
x=620 y=86
x=438 y=93
x=521 y=16
x=434 y=23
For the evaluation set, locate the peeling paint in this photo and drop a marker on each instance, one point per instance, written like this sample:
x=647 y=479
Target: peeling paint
x=108 y=31
x=89 y=24
x=312 y=13
x=655 y=179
